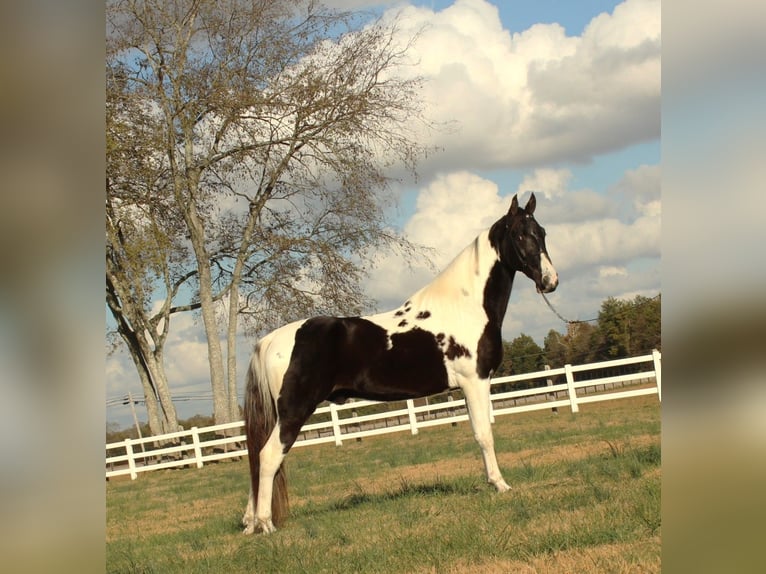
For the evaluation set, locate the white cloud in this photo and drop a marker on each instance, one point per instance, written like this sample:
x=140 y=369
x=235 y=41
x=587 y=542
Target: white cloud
x=452 y=210
x=565 y=205
x=116 y=373
x=612 y=271
x=597 y=250
x=551 y=182
x=588 y=229
x=539 y=96
x=641 y=186
x=605 y=241
x=186 y=364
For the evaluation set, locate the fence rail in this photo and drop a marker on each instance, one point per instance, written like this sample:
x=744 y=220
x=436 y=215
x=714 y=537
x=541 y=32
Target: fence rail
x=336 y=423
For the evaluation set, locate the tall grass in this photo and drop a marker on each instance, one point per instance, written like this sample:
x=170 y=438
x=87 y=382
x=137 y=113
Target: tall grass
x=585 y=498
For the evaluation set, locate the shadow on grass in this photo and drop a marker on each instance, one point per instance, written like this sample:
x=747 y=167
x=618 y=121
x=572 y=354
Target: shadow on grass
x=361 y=498
x=406 y=490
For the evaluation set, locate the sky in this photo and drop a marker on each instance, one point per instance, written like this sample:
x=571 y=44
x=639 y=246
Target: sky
x=557 y=97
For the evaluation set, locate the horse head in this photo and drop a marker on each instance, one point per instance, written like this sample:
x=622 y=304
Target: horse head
x=520 y=243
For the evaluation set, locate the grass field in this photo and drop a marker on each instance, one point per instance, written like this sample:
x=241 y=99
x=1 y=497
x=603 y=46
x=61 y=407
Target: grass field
x=585 y=498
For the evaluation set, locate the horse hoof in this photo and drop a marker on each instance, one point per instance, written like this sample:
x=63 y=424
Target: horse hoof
x=502 y=486
x=249 y=529
x=267 y=527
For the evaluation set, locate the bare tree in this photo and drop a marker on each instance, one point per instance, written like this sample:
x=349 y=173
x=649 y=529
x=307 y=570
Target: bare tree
x=276 y=123
x=142 y=249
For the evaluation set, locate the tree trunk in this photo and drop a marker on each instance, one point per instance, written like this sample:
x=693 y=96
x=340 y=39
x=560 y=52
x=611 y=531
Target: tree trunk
x=231 y=351
x=146 y=356
x=215 y=355
x=157 y=423
x=156 y=371
x=236 y=278
x=207 y=310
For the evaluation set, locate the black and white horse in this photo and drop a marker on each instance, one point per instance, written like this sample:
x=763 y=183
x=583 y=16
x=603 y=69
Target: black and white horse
x=447 y=335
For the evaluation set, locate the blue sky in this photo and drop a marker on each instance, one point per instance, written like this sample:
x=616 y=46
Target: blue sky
x=519 y=15
x=556 y=96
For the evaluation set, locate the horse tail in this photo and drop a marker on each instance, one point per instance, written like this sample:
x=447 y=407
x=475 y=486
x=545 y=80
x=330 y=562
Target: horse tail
x=260 y=419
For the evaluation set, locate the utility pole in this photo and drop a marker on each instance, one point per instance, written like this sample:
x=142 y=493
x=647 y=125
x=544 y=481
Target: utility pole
x=135 y=417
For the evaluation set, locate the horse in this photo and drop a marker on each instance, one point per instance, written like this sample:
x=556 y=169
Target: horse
x=447 y=335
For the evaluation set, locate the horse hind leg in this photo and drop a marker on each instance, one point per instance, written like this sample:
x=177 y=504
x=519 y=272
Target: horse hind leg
x=248 y=519
x=271 y=457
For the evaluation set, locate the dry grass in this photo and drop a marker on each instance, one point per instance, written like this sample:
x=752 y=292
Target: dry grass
x=611 y=558
x=585 y=499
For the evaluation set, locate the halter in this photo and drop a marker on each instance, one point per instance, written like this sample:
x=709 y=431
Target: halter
x=522 y=260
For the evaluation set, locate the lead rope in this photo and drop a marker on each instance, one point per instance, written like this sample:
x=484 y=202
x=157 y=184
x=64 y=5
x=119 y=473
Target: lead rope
x=569 y=321
x=556 y=312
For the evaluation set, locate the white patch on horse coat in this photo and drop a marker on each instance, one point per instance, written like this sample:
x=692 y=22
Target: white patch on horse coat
x=550 y=277
x=275 y=352
x=449 y=313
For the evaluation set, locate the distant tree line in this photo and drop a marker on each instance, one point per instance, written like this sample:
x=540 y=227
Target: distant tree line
x=624 y=328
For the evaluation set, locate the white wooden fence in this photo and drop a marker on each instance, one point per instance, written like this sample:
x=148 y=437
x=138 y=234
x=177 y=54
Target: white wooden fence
x=197 y=446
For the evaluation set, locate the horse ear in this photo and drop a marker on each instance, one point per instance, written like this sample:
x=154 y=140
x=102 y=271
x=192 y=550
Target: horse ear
x=514 y=205
x=531 y=204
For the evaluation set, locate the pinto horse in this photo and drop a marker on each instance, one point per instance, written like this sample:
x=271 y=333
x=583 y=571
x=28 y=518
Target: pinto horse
x=447 y=335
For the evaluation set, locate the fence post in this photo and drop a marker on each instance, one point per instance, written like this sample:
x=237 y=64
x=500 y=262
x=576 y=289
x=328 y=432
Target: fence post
x=491 y=407
x=571 y=389
x=551 y=396
x=335 y=424
x=451 y=399
x=197 y=447
x=658 y=371
x=131 y=460
x=412 y=415
x=354 y=415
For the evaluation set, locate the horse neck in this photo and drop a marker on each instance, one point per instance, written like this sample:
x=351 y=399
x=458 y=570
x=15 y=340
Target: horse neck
x=497 y=292
x=475 y=277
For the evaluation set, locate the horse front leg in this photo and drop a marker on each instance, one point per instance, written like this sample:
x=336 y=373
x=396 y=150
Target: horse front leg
x=477 y=400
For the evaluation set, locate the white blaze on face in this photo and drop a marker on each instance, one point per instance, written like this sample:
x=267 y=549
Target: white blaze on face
x=550 y=277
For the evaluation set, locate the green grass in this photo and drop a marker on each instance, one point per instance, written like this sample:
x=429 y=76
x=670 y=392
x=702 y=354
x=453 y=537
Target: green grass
x=585 y=498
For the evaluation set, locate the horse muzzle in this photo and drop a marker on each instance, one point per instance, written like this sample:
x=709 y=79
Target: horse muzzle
x=549 y=278
x=548 y=286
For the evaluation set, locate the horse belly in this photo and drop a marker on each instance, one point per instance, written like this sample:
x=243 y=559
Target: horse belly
x=410 y=365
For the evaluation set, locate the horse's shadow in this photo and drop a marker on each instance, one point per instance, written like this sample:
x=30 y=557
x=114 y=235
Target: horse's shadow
x=405 y=489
